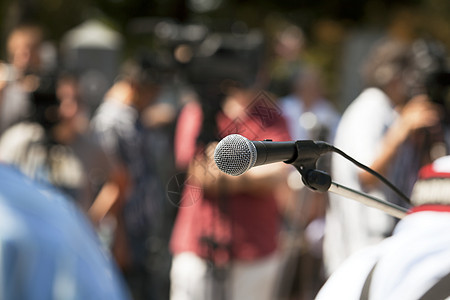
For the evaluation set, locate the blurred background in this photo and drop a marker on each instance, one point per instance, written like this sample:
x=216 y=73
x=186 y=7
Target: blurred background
x=184 y=52
x=336 y=33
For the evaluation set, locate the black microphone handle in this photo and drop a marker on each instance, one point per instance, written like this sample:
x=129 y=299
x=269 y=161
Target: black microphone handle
x=271 y=152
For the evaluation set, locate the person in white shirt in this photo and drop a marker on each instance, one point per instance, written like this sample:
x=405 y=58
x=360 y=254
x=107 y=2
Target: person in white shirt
x=415 y=262
x=384 y=130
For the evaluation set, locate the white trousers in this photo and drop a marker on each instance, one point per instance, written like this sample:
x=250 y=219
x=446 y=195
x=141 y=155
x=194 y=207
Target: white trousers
x=191 y=279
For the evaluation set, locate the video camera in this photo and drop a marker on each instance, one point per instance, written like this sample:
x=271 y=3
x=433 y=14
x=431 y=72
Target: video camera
x=430 y=61
x=437 y=87
x=44 y=102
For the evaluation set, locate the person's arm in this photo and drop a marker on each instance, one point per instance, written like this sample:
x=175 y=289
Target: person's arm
x=158 y=115
x=110 y=194
x=418 y=113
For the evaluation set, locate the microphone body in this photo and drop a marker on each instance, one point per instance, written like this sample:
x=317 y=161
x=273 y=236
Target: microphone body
x=235 y=154
x=268 y=152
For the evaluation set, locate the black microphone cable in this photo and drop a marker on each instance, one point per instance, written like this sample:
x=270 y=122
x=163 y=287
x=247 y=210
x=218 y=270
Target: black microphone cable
x=373 y=172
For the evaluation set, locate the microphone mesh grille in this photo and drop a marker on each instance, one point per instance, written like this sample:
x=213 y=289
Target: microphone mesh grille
x=235 y=154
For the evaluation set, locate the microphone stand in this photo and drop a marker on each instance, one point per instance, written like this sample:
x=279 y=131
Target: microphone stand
x=390 y=208
x=321 y=181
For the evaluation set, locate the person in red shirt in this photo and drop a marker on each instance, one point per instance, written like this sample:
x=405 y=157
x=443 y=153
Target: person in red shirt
x=226 y=232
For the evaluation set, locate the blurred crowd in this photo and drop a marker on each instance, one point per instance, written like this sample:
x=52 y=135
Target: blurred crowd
x=130 y=141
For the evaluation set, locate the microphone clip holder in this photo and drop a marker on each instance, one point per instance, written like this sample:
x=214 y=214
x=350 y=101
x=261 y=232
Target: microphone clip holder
x=318 y=180
x=305 y=163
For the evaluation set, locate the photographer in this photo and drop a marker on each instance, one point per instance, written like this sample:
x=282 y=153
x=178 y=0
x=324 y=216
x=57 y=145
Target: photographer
x=226 y=232
x=386 y=130
x=122 y=126
x=23 y=50
x=52 y=146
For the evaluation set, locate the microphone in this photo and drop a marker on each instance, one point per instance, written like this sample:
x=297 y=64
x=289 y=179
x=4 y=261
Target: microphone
x=235 y=154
